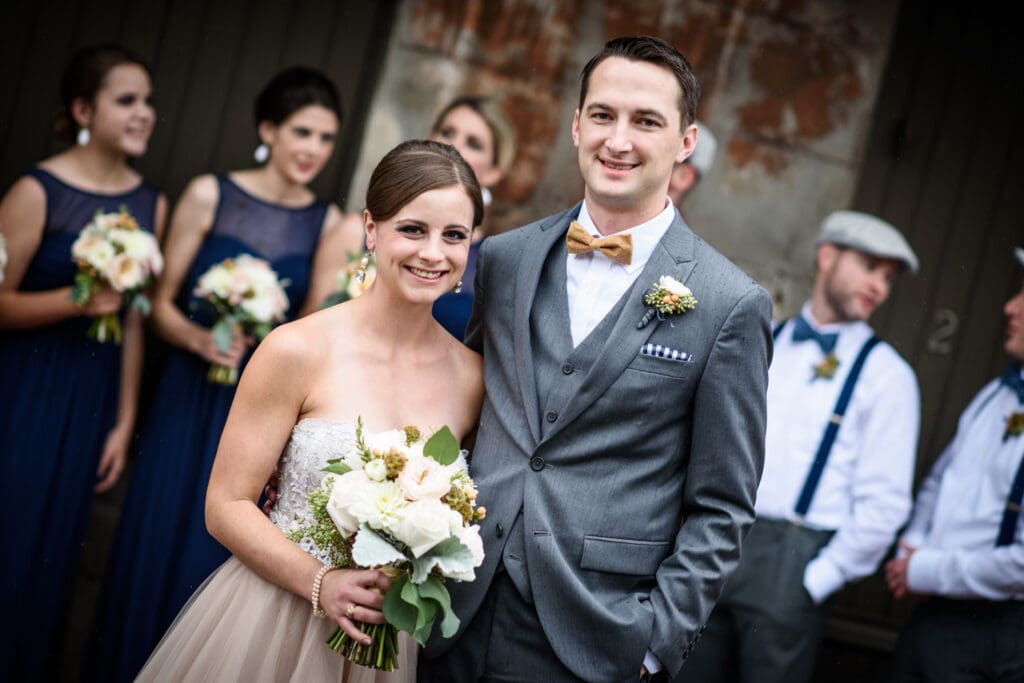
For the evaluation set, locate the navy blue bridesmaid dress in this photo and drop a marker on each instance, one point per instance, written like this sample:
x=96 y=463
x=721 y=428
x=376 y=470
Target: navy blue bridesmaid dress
x=58 y=402
x=163 y=551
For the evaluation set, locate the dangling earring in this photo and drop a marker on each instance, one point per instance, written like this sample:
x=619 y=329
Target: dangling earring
x=458 y=287
x=83 y=137
x=363 y=265
x=261 y=154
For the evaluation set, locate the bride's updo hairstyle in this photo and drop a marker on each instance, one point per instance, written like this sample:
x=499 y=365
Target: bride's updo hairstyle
x=415 y=167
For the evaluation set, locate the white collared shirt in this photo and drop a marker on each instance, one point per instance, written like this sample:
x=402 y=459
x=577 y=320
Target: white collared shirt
x=864 y=490
x=960 y=507
x=594 y=283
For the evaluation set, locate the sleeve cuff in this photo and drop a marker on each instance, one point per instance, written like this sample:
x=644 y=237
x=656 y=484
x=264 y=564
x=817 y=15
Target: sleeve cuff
x=822 y=579
x=923 y=571
x=651 y=663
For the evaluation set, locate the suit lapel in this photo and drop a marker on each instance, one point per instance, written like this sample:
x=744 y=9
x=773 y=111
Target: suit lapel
x=673 y=256
x=527 y=279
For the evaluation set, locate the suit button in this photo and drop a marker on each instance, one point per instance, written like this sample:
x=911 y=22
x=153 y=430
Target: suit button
x=551 y=416
x=499 y=530
x=536 y=463
x=567 y=369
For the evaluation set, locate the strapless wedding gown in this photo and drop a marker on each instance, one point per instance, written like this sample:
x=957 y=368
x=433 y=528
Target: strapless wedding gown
x=240 y=627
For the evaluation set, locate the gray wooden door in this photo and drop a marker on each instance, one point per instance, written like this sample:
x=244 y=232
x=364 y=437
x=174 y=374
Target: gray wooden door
x=209 y=59
x=944 y=163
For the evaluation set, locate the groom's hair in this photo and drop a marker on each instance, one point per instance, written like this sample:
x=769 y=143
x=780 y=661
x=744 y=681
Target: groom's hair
x=415 y=167
x=654 y=51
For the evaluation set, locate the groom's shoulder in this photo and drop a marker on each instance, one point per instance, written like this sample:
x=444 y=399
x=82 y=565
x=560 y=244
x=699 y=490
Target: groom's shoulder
x=727 y=277
x=517 y=239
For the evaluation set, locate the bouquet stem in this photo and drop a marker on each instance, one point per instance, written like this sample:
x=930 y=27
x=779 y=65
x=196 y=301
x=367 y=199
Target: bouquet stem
x=381 y=654
x=222 y=374
x=106 y=327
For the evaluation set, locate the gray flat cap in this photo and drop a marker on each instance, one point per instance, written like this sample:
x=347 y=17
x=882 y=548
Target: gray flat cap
x=703 y=157
x=1018 y=252
x=868 y=234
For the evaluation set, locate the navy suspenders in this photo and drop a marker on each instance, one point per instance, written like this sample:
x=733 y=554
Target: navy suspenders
x=1008 y=527
x=828 y=440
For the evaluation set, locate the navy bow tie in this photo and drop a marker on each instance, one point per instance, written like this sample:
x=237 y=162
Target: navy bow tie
x=1011 y=378
x=804 y=332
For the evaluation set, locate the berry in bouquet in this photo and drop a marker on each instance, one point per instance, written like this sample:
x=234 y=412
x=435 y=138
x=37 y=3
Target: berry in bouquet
x=247 y=297
x=113 y=251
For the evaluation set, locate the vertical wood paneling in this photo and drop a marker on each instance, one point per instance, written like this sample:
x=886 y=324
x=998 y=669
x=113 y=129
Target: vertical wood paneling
x=23 y=18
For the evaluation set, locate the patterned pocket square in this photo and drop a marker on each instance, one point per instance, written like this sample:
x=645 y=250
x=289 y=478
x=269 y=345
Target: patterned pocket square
x=666 y=352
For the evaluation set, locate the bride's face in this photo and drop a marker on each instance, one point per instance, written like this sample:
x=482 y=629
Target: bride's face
x=421 y=251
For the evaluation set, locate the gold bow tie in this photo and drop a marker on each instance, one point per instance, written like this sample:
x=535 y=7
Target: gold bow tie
x=618 y=248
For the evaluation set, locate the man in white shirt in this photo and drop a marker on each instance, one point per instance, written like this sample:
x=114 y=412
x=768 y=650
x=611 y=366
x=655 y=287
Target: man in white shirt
x=963 y=551
x=843 y=416
x=622 y=431
x=686 y=174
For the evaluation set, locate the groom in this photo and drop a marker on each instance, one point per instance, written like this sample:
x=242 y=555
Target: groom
x=618 y=461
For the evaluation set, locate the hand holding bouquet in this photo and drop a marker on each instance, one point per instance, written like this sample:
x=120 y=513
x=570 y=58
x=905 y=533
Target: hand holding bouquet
x=348 y=284
x=248 y=298
x=405 y=505
x=113 y=251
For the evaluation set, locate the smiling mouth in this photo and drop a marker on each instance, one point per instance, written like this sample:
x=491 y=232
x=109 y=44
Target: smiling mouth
x=617 y=166
x=427 y=274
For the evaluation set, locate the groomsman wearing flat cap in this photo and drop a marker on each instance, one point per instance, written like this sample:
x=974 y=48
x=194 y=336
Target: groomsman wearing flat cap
x=963 y=551
x=843 y=418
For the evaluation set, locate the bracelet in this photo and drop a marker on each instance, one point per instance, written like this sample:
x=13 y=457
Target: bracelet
x=315 y=598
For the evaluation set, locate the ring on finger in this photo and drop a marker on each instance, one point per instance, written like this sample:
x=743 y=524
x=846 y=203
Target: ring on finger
x=350 y=611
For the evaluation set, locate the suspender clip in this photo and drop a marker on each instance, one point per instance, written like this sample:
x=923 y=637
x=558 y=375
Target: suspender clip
x=836 y=419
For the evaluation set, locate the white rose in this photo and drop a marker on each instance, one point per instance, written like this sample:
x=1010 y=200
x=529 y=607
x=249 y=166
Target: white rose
x=469 y=536
x=216 y=281
x=674 y=286
x=99 y=254
x=426 y=523
x=424 y=477
x=260 y=308
x=125 y=273
x=381 y=505
x=141 y=246
x=376 y=470
x=344 y=490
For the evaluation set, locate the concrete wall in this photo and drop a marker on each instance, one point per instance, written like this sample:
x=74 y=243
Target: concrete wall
x=789 y=90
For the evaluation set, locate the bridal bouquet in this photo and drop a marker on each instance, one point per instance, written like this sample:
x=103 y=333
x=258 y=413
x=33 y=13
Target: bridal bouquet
x=347 y=284
x=405 y=505
x=247 y=296
x=113 y=250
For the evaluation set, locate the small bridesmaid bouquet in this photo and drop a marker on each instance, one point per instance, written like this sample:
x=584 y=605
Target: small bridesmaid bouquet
x=112 y=250
x=348 y=282
x=248 y=297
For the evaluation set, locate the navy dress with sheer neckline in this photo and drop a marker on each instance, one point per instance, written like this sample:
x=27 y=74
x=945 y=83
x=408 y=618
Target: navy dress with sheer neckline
x=163 y=551
x=58 y=403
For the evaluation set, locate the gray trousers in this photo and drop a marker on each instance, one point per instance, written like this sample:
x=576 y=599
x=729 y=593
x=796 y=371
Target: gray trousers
x=503 y=644
x=961 y=641
x=765 y=627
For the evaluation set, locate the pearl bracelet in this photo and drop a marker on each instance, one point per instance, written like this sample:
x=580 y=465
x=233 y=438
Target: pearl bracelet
x=315 y=598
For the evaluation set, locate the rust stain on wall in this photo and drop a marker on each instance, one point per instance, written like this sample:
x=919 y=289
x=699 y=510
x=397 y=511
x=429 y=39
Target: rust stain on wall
x=746 y=153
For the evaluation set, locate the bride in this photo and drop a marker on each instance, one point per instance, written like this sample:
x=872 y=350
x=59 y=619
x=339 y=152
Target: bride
x=381 y=358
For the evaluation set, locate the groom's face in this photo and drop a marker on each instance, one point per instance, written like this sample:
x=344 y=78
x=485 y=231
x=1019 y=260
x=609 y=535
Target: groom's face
x=628 y=134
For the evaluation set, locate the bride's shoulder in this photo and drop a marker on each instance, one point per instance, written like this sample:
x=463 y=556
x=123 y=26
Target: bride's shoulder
x=294 y=346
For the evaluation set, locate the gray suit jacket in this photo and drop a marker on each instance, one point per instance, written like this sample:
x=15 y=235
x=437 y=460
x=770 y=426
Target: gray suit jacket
x=646 y=486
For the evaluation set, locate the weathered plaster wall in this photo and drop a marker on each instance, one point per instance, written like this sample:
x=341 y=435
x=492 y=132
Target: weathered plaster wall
x=789 y=88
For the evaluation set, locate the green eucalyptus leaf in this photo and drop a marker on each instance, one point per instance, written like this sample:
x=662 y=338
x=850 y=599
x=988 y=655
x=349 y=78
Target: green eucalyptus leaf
x=399 y=613
x=433 y=589
x=223 y=333
x=442 y=446
x=337 y=467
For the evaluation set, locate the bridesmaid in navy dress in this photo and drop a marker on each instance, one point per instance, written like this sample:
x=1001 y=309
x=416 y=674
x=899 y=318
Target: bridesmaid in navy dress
x=478 y=129
x=67 y=403
x=163 y=551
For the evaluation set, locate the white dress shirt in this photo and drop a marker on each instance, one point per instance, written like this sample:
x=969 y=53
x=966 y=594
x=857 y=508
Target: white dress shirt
x=594 y=283
x=864 y=490
x=960 y=507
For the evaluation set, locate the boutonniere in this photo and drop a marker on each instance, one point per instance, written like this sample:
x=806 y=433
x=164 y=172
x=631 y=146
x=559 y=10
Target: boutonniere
x=826 y=369
x=1014 y=426
x=668 y=296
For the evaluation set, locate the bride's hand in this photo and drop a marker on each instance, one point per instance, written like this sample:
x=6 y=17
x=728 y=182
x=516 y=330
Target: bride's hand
x=354 y=595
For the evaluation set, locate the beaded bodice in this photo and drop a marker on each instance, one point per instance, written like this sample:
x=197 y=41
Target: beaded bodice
x=313 y=442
